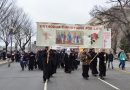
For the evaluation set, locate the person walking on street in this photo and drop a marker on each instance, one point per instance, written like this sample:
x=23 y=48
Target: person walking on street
x=68 y=62
x=31 y=60
x=85 y=59
x=23 y=61
x=103 y=57
x=122 y=58
x=47 y=64
x=110 y=60
x=93 y=64
x=17 y=56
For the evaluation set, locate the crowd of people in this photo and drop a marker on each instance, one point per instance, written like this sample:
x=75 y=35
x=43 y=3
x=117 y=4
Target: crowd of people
x=48 y=60
x=52 y=59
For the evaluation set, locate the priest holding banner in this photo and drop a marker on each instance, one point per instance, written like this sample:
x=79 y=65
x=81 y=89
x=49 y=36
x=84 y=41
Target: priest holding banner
x=85 y=59
x=103 y=58
x=93 y=64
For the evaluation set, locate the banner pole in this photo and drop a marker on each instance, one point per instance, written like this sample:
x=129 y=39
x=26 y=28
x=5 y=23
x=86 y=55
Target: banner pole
x=48 y=54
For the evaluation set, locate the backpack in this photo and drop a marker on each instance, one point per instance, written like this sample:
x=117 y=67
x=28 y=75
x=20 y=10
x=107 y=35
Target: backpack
x=119 y=54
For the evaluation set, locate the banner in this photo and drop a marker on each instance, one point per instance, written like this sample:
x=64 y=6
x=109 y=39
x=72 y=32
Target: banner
x=58 y=34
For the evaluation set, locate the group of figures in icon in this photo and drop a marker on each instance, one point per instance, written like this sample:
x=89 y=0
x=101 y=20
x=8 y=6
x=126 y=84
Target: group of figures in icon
x=69 y=37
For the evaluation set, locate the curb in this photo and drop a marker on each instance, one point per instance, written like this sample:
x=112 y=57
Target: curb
x=124 y=71
x=3 y=62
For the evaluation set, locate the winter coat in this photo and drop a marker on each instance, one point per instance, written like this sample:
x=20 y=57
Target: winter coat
x=85 y=58
x=122 y=56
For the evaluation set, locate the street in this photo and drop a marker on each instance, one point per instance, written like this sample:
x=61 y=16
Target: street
x=42 y=42
x=12 y=78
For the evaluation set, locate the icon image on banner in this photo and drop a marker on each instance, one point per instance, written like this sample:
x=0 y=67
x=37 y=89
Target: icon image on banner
x=69 y=37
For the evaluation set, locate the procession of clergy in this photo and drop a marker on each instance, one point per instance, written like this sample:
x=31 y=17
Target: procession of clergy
x=49 y=60
x=70 y=60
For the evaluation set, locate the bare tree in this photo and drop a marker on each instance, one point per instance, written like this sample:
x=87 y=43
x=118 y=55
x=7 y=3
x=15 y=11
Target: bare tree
x=13 y=17
x=118 y=13
x=6 y=7
x=24 y=32
x=115 y=33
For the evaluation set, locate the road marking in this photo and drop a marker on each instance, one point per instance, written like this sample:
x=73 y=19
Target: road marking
x=45 y=85
x=109 y=84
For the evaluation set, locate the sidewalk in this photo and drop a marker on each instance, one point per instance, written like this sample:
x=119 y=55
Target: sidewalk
x=3 y=62
x=116 y=65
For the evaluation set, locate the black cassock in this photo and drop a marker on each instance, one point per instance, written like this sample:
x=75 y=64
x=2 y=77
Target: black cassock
x=31 y=60
x=67 y=63
x=58 y=59
x=103 y=57
x=17 y=56
x=53 y=61
x=72 y=61
x=40 y=58
x=47 y=66
x=93 y=64
x=77 y=60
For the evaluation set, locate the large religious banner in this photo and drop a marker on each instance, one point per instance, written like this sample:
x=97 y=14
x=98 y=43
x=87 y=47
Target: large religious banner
x=69 y=35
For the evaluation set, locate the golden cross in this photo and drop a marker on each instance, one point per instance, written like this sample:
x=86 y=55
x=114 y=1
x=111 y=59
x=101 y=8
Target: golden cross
x=46 y=35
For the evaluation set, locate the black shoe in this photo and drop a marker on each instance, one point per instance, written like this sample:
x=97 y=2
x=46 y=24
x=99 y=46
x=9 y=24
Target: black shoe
x=102 y=78
x=119 y=66
x=112 y=67
x=85 y=78
x=44 y=80
x=94 y=75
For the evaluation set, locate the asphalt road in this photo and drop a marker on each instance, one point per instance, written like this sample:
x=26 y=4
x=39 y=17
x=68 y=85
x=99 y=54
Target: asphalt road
x=14 y=79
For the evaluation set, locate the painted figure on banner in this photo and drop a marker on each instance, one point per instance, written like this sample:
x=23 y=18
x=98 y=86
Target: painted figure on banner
x=64 y=38
x=75 y=38
x=78 y=37
x=58 y=38
x=69 y=38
